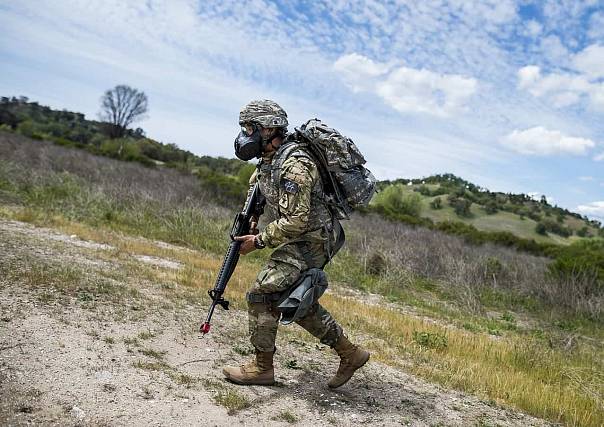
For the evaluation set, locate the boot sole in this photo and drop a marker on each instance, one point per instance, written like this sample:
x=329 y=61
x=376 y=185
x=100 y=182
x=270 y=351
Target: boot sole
x=243 y=382
x=360 y=366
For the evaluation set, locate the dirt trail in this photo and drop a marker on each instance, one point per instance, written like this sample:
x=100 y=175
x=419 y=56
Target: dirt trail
x=134 y=358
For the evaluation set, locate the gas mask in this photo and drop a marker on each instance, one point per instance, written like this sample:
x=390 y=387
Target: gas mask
x=249 y=143
x=248 y=146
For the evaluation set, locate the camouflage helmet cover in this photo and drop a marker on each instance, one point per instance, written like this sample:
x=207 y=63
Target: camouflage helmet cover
x=266 y=113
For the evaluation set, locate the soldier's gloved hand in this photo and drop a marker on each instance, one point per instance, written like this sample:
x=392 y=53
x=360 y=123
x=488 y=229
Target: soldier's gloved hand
x=254 y=225
x=247 y=244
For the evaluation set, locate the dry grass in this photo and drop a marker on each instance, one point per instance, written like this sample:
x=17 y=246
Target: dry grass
x=227 y=396
x=396 y=254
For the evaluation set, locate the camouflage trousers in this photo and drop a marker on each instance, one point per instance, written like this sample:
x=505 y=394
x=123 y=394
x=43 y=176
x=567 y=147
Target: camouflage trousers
x=283 y=269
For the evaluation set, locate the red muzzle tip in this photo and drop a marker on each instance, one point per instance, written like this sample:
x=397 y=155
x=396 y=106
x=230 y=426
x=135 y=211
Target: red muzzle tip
x=205 y=328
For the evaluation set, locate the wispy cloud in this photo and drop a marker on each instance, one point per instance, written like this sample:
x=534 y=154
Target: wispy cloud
x=593 y=209
x=543 y=142
x=566 y=89
x=405 y=89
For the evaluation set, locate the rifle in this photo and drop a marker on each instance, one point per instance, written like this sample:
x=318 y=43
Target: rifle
x=241 y=227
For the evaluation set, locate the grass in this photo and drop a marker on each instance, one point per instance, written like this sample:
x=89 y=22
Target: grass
x=146 y=335
x=227 y=396
x=65 y=281
x=152 y=366
x=287 y=416
x=159 y=355
x=109 y=340
x=183 y=379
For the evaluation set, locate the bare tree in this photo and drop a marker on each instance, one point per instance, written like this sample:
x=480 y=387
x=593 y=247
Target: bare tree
x=120 y=107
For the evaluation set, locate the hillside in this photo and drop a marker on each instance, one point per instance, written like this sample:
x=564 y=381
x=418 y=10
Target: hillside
x=485 y=213
x=447 y=198
x=107 y=263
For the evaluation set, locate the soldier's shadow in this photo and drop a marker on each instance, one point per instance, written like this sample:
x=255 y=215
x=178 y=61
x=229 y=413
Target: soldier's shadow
x=367 y=392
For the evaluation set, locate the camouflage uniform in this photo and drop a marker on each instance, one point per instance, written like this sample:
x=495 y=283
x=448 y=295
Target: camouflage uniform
x=301 y=228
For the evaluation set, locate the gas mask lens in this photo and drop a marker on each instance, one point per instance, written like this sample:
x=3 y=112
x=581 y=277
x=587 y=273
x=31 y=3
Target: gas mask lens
x=248 y=128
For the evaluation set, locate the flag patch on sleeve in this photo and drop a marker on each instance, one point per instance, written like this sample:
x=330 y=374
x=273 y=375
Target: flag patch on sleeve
x=290 y=186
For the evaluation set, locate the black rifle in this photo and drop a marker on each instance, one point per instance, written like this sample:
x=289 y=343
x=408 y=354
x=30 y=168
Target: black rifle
x=241 y=226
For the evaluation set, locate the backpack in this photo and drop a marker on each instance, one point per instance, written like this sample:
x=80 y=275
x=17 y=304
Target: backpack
x=347 y=183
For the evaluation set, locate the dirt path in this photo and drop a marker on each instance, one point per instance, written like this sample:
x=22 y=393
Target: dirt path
x=85 y=341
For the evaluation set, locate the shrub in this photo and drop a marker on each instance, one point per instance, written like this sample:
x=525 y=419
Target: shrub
x=437 y=203
x=581 y=261
x=491 y=207
x=556 y=228
x=461 y=206
x=392 y=199
x=376 y=264
x=432 y=340
x=540 y=229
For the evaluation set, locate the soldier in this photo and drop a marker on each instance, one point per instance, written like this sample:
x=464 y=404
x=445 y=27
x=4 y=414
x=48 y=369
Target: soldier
x=303 y=231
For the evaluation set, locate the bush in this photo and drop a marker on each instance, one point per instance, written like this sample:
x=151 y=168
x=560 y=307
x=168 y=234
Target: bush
x=461 y=206
x=491 y=207
x=432 y=340
x=392 y=200
x=376 y=264
x=556 y=228
x=582 y=232
x=581 y=261
x=540 y=229
x=437 y=203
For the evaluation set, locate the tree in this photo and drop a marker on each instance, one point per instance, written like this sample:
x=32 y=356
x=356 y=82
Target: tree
x=120 y=107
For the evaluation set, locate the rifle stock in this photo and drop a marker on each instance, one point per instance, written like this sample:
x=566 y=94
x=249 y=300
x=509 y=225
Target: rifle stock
x=241 y=227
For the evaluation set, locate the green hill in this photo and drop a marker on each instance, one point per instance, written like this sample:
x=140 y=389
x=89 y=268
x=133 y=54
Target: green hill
x=446 y=198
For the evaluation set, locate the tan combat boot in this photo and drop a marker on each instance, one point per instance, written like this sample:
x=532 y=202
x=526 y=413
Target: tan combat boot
x=258 y=371
x=351 y=359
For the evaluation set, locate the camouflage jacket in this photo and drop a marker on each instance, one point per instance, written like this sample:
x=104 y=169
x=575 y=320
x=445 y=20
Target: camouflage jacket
x=290 y=182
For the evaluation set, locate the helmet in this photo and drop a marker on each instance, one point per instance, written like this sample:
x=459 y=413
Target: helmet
x=266 y=113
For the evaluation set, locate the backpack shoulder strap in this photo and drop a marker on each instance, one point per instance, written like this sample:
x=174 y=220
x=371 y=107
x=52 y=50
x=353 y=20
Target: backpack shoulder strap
x=283 y=153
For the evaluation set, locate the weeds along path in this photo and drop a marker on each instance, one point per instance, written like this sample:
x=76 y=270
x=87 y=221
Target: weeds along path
x=103 y=331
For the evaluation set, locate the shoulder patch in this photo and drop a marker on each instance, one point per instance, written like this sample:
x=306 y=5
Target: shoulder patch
x=290 y=186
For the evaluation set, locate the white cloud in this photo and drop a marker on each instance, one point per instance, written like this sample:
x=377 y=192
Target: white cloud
x=542 y=142
x=596 y=26
x=554 y=50
x=595 y=209
x=533 y=28
x=562 y=90
x=358 y=71
x=590 y=61
x=407 y=89
x=586 y=178
x=528 y=76
x=599 y=157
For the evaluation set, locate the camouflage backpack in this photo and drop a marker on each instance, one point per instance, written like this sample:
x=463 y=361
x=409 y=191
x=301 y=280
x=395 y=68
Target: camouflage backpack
x=347 y=183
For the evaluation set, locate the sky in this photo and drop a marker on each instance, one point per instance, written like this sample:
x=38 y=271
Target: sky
x=506 y=94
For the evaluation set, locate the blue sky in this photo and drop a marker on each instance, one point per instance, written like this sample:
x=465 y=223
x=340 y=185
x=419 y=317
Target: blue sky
x=507 y=94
